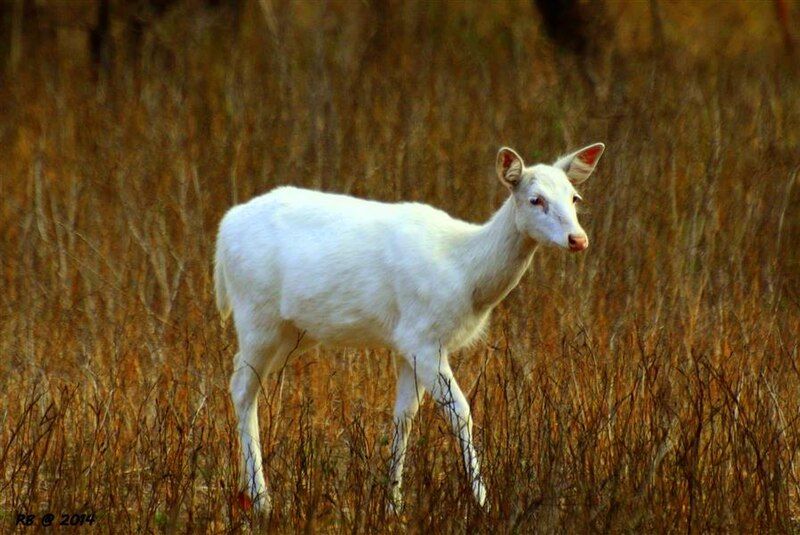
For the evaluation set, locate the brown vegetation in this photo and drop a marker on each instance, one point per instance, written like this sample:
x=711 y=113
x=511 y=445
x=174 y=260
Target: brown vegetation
x=650 y=384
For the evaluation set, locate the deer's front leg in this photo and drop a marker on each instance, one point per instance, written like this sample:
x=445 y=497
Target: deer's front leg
x=407 y=399
x=433 y=371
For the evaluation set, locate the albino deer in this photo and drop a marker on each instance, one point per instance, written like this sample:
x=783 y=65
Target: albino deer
x=299 y=268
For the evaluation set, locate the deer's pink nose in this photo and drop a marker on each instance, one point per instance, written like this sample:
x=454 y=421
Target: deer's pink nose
x=578 y=242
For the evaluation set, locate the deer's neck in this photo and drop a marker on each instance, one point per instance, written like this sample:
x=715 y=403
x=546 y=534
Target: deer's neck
x=497 y=255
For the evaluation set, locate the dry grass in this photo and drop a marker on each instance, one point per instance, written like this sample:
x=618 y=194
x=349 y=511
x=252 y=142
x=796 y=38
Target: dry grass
x=650 y=384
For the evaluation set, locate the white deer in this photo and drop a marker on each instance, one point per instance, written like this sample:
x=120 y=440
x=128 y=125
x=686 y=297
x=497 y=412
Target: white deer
x=300 y=268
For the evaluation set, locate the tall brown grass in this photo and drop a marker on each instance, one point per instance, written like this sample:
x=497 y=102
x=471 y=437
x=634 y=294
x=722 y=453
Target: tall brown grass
x=651 y=384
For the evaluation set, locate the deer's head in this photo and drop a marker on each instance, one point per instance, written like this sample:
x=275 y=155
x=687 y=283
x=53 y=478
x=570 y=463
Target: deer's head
x=545 y=197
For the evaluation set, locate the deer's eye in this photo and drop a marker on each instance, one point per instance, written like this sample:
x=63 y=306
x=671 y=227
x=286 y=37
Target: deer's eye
x=576 y=199
x=537 y=201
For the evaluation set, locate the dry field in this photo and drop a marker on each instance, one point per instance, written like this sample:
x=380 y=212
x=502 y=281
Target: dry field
x=650 y=384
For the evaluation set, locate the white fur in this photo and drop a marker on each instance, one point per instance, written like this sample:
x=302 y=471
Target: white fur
x=300 y=267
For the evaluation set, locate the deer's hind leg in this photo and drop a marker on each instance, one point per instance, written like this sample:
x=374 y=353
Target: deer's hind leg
x=261 y=351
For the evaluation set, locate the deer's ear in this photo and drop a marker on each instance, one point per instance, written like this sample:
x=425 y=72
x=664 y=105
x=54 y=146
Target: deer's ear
x=509 y=167
x=580 y=164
